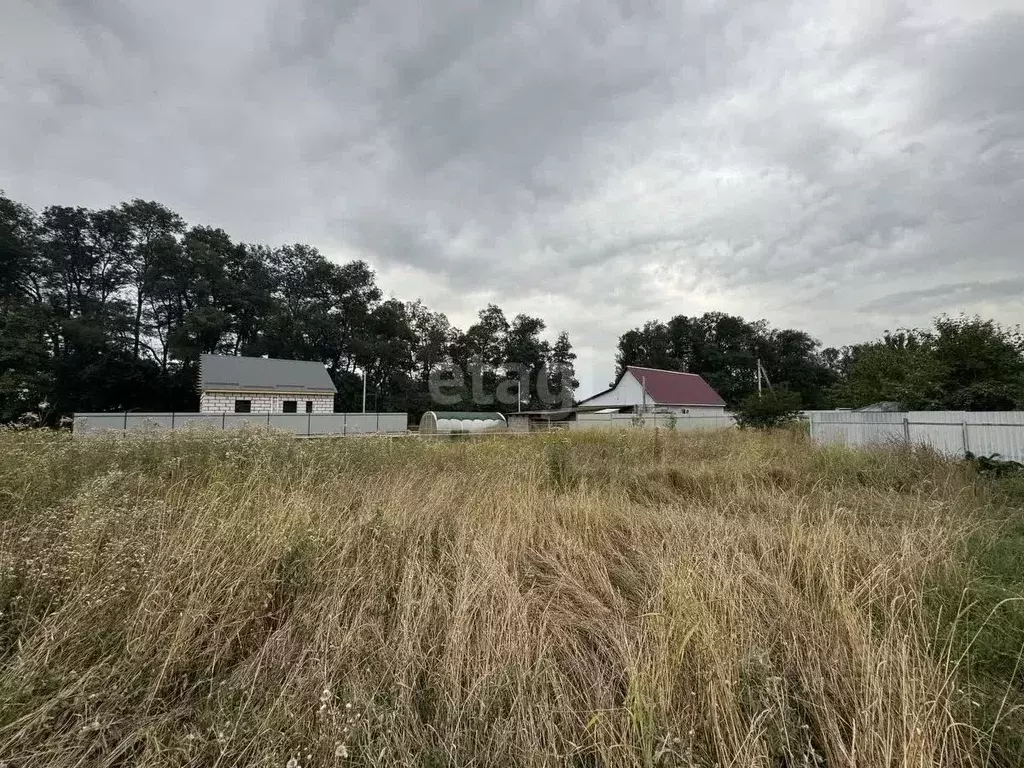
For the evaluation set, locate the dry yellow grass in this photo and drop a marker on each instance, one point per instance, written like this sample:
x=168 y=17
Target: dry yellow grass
x=719 y=599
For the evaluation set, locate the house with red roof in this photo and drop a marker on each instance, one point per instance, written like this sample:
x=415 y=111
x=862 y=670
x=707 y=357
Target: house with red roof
x=652 y=389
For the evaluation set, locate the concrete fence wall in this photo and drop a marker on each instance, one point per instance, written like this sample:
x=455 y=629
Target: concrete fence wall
x=305 y=424
x=681 y=422
x=952 y=433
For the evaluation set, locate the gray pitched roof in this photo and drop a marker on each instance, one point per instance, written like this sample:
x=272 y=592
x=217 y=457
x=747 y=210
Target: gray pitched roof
x=261 y=374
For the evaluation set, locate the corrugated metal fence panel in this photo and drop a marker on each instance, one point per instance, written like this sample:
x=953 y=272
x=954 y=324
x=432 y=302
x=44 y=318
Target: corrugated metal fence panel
x=991 y=432
x=983 y=433
x=1014 y=418
x=950 y=432
x=942 y=431
x=849 y=417
x=856 y=429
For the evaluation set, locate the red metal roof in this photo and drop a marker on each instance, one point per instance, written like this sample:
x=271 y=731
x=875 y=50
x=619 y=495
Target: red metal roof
x=674 y=388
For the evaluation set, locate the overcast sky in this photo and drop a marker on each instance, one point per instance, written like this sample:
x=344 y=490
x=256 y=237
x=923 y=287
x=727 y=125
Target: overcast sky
x=841 y=167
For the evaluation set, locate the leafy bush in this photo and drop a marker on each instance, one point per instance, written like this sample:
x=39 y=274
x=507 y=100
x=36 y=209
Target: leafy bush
x=772 y=409
x=994 y=465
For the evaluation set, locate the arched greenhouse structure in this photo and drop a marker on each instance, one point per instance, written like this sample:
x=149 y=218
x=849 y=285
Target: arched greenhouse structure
x=440 y=422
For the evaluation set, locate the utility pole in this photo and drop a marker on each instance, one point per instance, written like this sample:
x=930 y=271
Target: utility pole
x=364 y=390
x=762 y=375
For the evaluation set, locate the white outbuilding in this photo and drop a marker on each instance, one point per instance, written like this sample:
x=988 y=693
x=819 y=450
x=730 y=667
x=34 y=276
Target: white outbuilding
x=653 y=389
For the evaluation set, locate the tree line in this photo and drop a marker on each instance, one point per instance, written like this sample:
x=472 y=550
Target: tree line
x=961 y=363
x=110 y=309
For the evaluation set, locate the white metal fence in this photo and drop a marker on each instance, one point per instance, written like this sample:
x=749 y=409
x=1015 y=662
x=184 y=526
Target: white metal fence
x=679 y=422
x=952 y=433
x=304 y=424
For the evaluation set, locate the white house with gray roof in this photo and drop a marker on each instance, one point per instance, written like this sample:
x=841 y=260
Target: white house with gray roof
x=229 y=384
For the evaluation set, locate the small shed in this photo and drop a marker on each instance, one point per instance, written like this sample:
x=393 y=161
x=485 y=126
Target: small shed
x=528 y=421
x=440 y=422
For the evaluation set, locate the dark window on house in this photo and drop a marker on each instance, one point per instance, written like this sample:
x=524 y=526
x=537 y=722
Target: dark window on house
x=309 y=406
x=243 y=406
x=290 y=406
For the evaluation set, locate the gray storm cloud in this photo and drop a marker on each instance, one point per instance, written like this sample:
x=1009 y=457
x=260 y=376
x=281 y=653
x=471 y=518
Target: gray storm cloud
x=842 y=169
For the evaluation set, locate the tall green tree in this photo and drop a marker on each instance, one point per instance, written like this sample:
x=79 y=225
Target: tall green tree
x=963 y=363
x=795 y=363
x=981 y=362
x=526 y=358
x=724 y=349
x=384 y=349
x=25 y=371
x=651 y=346
x=561 y=371
x=110 y=309
x=478 y=359
x=434 y=336
x=151 y=232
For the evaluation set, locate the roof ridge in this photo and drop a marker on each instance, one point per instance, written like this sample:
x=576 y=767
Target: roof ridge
x=265 y=359
x=662 y=370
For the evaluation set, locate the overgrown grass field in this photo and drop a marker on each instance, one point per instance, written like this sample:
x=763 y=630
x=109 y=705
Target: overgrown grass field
x=638 y=599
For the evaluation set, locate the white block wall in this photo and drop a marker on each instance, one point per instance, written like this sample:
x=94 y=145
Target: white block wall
x=263 y=402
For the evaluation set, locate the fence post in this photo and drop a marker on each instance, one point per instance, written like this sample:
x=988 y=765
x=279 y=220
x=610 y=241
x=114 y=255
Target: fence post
x=309 y=424
x=967 y=442
x=906 y=430
x=223 y=421
x=126 y=421
x=378 y=422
